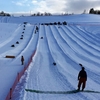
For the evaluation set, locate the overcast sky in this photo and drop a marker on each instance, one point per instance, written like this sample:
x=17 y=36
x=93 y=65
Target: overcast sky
x=51 y=6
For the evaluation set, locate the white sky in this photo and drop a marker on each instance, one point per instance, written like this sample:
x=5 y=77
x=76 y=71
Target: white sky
x=51 y=6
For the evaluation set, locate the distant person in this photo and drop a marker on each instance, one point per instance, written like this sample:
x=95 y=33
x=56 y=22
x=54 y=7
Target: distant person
x=82 y=77
x=37 y=28
x=22 y=60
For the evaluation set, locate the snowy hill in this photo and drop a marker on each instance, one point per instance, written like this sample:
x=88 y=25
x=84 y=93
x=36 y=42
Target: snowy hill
x=66 y=45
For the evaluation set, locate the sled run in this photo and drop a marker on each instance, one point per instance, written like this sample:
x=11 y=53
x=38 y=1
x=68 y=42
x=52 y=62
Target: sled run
x=59 y=49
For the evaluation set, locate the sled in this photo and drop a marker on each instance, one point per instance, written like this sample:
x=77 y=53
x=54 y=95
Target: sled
x=9 y=56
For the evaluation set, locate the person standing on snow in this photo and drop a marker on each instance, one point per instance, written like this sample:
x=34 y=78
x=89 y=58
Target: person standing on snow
x=82 y=77
x=22 y=60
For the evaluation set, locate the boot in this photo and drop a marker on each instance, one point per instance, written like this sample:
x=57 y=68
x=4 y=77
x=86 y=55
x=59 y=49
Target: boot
x=82 y=89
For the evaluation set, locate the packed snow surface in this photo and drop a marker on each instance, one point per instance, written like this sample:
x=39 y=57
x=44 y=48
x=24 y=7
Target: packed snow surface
x=66 y=45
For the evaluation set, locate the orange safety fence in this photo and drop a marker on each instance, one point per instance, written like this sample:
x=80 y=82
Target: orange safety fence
x=9 y=96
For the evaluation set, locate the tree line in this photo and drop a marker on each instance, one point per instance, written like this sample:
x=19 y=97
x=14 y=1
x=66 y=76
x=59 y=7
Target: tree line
x=2 y=13
x=92 y=11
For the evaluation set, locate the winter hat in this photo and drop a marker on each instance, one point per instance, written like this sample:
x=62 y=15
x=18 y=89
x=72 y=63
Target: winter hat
x=83 y=68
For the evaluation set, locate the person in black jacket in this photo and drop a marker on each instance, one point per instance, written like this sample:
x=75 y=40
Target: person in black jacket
x=82 y=77
x=22 y=60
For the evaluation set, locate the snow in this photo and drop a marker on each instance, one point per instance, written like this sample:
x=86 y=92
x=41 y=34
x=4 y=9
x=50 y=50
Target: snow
x=66 y=45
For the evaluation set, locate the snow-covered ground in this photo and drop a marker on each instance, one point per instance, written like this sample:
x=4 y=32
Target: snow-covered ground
x=66 y=45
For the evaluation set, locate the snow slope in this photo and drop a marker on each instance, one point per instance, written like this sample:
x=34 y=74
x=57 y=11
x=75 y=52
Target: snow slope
x=67 y=45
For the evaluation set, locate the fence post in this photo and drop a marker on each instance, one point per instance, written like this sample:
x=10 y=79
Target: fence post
x=10 y=93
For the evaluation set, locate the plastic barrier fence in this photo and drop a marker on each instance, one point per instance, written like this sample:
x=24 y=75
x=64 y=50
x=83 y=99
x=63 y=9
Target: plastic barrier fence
x=9 y=96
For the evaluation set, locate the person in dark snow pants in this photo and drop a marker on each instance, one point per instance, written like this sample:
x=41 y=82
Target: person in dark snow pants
x=22 y=60
x=82 y=77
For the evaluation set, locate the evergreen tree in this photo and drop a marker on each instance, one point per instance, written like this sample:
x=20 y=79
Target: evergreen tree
x=91 y=11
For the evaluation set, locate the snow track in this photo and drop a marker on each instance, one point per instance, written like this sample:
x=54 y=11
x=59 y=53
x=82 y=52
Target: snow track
x=44 y=76
x=55 y=65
